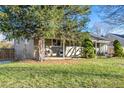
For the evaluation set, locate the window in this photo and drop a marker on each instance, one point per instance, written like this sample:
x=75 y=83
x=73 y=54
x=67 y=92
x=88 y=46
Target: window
x=56 y=42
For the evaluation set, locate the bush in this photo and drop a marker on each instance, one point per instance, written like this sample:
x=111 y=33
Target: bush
x=118 y=50
x=88 y=49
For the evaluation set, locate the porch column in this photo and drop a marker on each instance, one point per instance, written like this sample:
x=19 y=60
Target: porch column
x=44 y=48
x=51 y=42
x=75 y=51
x=100 y=48
x=63 y=48
x=96 y=46
x=104 y=49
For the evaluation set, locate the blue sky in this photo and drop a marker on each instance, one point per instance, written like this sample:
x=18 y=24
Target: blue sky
x=93 y=16
x=95 y=19
x=1 y=37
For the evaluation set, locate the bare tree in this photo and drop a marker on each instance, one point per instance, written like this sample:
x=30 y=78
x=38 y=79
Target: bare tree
x=113 y=15
x=97 y=29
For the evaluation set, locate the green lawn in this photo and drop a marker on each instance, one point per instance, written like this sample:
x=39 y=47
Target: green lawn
x=86 y=73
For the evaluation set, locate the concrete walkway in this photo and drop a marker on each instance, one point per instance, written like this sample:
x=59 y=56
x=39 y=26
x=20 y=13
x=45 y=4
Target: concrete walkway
x=57 y=58
x=5 y=62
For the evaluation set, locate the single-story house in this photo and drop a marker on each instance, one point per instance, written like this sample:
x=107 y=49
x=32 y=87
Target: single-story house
x=118 y=37
x=55 y=47
x=111 y=37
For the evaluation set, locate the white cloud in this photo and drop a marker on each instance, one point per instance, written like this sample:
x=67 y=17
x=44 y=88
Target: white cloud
x=118 y=31
x=2 y=37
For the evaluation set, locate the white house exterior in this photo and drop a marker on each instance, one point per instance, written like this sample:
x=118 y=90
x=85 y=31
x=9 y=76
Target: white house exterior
x=101 y=44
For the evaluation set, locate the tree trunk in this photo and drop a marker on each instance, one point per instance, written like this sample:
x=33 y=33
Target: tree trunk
x=40 y=49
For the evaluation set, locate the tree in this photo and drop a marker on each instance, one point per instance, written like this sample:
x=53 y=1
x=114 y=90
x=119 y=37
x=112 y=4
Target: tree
x=39 y=22
x=74 y=21
x=30 y=22
x=88 y=49
x=118 y=50
x=97 y=28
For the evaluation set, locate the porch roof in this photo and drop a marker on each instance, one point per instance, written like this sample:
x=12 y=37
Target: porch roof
x=101 y=41
x=62 y=39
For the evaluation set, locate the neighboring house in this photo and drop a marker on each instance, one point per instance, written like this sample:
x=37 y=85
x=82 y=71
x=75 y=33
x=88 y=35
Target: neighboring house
x=54 y=47
x=113 y=37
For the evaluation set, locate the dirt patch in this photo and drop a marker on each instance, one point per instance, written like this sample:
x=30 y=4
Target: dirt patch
x=62 y=61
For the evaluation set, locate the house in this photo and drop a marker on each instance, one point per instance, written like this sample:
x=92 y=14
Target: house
x=56 y=47
x=100 y=44
x=111 y=37
x=118 y=37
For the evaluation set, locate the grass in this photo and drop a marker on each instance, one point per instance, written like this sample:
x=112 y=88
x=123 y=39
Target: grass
x=85 y=73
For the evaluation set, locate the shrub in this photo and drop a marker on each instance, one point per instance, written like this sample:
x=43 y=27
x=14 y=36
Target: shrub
x=118 y=50
x=88 y=49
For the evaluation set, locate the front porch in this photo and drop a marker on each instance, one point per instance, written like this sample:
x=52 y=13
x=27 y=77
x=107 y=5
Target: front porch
x=57 y=48
x=101 y=46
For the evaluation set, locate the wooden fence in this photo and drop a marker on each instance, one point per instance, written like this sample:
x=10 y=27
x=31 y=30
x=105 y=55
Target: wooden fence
x=7 y=54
